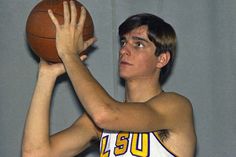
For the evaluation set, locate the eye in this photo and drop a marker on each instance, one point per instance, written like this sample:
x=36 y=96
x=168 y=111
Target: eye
x=123 y=43
x=139 y=44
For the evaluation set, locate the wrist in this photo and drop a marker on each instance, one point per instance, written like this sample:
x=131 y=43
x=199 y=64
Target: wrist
x=46 y=76
x=69 y=57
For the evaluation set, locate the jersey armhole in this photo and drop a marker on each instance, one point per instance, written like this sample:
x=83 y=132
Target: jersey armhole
x=158 y=139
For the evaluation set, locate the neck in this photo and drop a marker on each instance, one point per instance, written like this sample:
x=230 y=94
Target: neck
x=141 y=90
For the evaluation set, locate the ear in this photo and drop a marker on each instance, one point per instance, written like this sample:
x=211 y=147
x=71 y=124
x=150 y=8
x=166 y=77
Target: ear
x=163 y=59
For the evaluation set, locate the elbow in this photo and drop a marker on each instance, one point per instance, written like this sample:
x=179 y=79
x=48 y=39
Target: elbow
x=101 y=119
x=106 y=117
x=34 y=152
x=28 y=152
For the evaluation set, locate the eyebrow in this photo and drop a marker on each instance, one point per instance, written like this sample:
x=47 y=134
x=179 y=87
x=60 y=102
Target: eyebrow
x=140 y=38
x=135 y=38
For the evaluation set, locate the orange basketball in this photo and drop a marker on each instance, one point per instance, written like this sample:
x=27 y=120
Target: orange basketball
x=41 y=32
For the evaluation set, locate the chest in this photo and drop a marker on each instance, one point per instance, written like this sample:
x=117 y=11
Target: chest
x=124 y=144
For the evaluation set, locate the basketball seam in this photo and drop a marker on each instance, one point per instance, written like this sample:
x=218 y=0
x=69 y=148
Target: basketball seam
x=49 y=37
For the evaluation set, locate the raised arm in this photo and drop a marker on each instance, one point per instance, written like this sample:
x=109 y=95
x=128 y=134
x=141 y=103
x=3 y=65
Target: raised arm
x=37 y=141
x=106 y=112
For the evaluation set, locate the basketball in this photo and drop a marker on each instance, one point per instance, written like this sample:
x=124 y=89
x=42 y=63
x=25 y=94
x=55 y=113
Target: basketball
x=41 y=32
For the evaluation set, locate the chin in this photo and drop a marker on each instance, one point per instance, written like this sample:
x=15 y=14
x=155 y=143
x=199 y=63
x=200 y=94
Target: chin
x=125 y=76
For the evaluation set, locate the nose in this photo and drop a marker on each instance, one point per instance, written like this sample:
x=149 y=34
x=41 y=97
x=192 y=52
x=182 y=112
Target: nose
x=125 y=50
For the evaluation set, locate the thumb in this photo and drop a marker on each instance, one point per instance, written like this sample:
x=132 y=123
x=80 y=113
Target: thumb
x=83 y=57
x=89 y=42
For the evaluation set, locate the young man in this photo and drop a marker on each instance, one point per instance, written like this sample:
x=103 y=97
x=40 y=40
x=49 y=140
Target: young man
x=150 y=122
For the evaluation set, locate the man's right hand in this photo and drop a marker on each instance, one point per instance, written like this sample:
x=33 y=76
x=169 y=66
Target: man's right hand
x=50 y=70
x=53 y=69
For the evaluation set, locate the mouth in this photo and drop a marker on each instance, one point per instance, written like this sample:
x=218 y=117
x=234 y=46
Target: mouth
x=125 y=63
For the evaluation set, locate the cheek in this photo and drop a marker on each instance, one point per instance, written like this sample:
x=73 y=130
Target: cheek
x=148 y=63
x=147 y=69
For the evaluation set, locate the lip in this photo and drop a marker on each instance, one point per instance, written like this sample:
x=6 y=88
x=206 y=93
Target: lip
x=125 y=63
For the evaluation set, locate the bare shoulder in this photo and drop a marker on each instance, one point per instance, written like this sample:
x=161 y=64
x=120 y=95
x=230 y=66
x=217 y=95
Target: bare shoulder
x=174 y=109
x=171 y=99
x=177 y=115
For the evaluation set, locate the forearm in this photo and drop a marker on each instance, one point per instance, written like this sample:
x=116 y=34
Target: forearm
x=91 y=94
x=36 y=132
x=69 y=42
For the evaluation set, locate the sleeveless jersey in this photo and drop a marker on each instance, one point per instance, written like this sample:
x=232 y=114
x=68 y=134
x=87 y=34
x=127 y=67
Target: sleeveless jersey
x=125 y=144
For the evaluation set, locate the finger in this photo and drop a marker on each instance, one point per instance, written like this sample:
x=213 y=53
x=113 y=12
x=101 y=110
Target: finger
x=73 y=13
x=41 y=61
x=54 y=19
x=83 y=57
x=66 y=13
x=89 y=42
x=82 y=18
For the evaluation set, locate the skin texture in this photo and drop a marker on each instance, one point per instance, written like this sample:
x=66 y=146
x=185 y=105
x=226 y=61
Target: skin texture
x=151 y=110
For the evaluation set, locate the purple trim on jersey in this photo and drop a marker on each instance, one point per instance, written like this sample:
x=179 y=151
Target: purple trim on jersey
x=163 y=145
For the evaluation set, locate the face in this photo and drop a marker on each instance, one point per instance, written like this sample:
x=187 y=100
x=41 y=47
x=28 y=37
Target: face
x=137 y=55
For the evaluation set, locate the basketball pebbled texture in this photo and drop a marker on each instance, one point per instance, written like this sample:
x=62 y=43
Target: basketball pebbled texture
x=41 y=32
